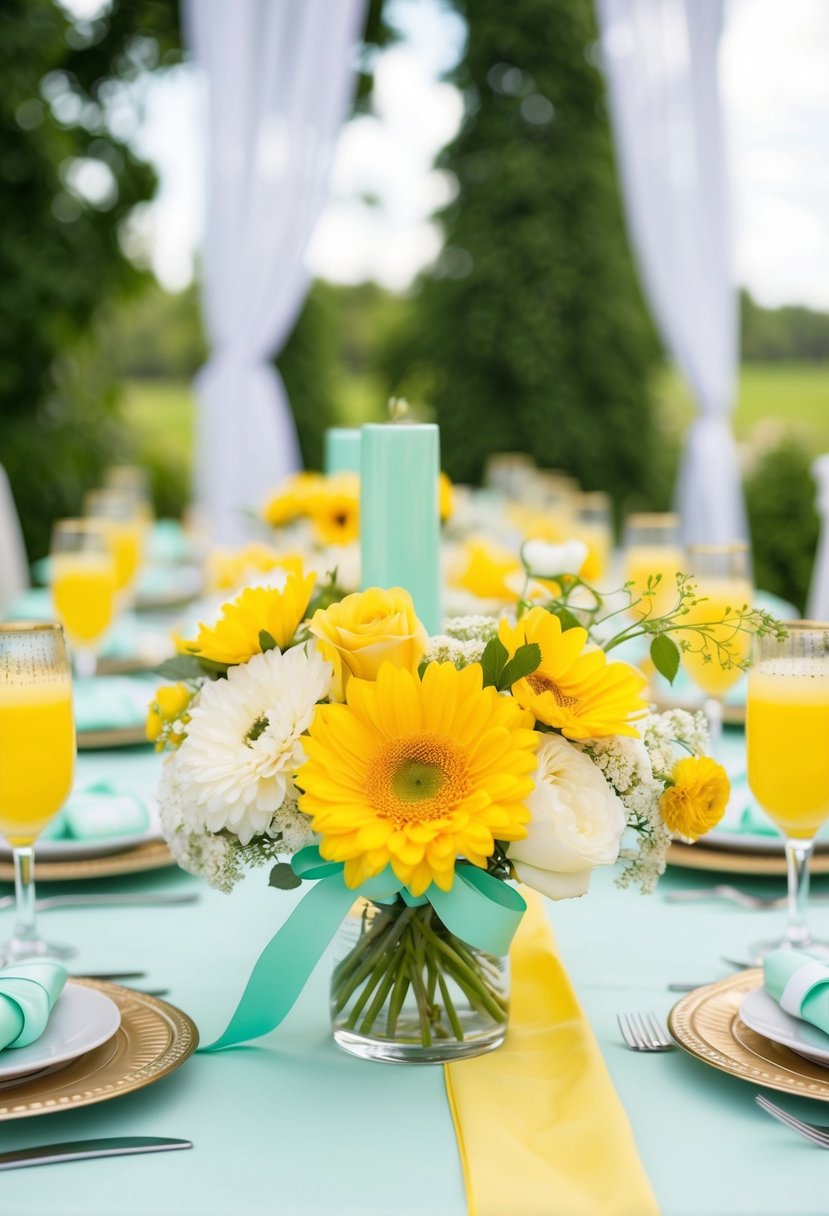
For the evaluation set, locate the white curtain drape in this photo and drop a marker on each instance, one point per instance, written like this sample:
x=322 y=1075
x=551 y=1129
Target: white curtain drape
x=818 y=607
x=279 y=79
x=660 y=59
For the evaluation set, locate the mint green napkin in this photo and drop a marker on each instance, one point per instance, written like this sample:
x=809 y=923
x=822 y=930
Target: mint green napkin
x=800 y=985
x=112 y=702
x=28 y=994
x=98 y=812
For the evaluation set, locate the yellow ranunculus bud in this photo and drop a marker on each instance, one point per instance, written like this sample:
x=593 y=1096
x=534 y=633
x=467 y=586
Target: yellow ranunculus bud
x=696 y=797
x=367 y=629
x=172 y=699
x=154 y=725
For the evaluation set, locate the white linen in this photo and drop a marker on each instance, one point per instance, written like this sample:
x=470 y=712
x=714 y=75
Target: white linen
x=660 y=60
x=14 y=568
x=279 y=77
x=818 y=606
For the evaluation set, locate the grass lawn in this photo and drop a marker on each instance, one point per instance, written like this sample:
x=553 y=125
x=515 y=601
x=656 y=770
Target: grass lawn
x=772 y=396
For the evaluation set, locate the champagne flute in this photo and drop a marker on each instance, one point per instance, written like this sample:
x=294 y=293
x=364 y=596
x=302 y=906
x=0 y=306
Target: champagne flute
x=119 y=509
x=652 y=547
x=37 y=761
x=722 y=576
x=83 y=586
x=594 y=528
x=787 y=728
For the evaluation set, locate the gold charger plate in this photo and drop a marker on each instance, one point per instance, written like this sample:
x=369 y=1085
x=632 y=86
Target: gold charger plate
x=122 y=736
x=707 y=1024
x=152 y=855
x=154 y=1038
x=728 y=861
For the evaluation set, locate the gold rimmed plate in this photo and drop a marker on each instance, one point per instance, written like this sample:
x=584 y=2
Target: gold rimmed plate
x=707 y=1024
x=121 y=736
x=728 y=861
x=153 y=855
x=154 y=1038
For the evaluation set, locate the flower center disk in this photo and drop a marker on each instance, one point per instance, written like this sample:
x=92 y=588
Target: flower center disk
x=541 y=683
x=416 y=780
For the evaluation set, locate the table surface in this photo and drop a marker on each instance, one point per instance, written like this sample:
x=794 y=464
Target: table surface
x=292 y=1125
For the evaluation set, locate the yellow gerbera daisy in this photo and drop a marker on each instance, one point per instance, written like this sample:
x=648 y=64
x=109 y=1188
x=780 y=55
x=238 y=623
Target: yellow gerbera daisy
x=415 y=774
x=575 y=689
x=696 y=797
x=292 y=499
x=236 y=636
x=446 y=497
x=335 y=509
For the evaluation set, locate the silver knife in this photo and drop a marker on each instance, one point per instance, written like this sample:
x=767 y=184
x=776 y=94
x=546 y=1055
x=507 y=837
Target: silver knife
x=79 y=1150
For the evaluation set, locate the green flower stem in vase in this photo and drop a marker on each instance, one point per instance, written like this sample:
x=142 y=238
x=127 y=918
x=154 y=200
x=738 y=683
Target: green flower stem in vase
x=405 y=988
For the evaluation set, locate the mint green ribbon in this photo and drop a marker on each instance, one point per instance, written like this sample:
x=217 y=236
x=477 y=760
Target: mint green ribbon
x=479 y=908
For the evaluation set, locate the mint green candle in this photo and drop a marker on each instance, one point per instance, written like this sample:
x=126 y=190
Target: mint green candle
x=342 y=450
x=399 y=521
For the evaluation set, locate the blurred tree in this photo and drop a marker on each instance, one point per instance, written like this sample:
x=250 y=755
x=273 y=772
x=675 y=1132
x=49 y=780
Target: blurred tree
x=70 y=94
x=780 y=495
x=529 y=332
x=156 y=334
x=792 y=332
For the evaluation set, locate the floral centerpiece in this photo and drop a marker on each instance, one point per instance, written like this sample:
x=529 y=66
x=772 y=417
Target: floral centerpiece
x=420 y=776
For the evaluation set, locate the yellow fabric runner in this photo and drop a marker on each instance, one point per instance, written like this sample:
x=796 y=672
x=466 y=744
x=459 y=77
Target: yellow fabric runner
x=540 y=1128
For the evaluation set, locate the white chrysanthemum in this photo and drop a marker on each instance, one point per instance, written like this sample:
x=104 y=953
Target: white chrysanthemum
x=243 y=740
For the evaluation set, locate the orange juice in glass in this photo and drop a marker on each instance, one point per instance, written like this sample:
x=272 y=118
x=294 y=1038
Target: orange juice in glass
x=37 y=759
x=594 y=528
x=120 y=510
x=723 y=586
x=652 y=547
x=787 y=728
x=84 y=585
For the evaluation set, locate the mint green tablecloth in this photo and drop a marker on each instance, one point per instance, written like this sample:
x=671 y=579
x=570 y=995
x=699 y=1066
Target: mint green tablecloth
x=292 y=1126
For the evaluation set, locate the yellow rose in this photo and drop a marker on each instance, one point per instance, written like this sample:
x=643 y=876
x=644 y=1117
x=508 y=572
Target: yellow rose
x=696 y=796
x=367 y=629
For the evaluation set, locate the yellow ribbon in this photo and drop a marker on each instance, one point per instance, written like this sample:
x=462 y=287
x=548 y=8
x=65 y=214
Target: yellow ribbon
x=540 y=1127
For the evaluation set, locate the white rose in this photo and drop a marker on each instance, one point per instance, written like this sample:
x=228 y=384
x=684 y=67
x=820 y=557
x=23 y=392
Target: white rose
x=577 y=823
x=546 y=561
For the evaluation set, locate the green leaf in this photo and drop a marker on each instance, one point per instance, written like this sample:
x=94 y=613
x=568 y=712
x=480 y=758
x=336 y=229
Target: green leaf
x=180 y=667
x=283 y=877
x=266 y=641
x=567 y=618
x=523 y=663
x=494 y=660
x=421 y=668
x=212 y=667
x=665 y=656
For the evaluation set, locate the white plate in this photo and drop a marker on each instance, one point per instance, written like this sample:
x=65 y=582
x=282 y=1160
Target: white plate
x=82 y=850
x=82 y=1019
x=761 y=1013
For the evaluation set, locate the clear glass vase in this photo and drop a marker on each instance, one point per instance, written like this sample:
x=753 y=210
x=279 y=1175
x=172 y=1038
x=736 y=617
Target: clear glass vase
x=404 y=988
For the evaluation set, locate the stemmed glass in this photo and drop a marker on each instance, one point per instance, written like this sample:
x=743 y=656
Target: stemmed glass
x=787 y=728
x=37 y=761
x=722 y=576
x=594 y=527
x=653 y=546
x=120 y=510
x=83 y=586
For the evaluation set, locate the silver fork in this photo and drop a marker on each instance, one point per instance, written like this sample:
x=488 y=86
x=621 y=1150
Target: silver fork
x=818 y=1134
x=734 y=895
x=644 y=1032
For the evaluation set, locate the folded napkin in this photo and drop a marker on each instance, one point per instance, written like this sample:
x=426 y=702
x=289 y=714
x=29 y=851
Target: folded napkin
x=28 y=993
x=539 y=1125
x=112 y=702
x=800 y=984
x=97 y=812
